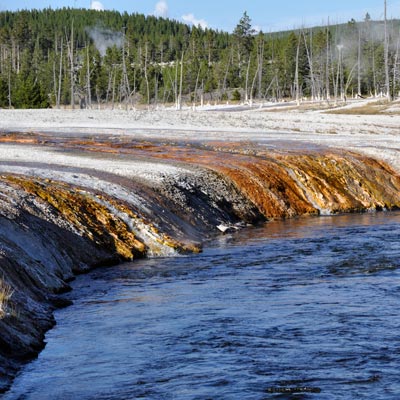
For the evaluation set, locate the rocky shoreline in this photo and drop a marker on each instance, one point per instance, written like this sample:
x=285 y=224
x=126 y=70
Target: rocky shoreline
x=73 y=202
x=51 y=230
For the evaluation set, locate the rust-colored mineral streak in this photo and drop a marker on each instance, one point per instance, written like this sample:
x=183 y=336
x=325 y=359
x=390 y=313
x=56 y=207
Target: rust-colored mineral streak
x=280 y=183
x=83 y=212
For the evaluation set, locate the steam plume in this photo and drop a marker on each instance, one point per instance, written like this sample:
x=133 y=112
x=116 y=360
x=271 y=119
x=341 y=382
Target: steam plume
x=96 y=5
x=105 y=38
x=190 y=19
x=161 y=9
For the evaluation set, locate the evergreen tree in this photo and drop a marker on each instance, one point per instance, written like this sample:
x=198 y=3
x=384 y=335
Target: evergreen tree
x=244 y=34
x=159 y=59
x=3 y=93
x=29 y=94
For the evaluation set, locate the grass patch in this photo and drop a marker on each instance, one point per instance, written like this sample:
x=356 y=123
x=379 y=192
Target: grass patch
x=303 y=107
x=6 y=293
x=377 y=107
x=372 y=108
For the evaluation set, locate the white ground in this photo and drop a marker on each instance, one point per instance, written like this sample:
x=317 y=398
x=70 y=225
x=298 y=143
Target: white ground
x=376 y=135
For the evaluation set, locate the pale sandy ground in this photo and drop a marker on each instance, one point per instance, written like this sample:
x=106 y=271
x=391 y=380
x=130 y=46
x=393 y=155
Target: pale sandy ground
x=375 y=135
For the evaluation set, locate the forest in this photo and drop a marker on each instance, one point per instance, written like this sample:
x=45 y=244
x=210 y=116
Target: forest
x=82 y=58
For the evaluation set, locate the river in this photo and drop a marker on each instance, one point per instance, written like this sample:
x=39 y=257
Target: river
x=298 y=309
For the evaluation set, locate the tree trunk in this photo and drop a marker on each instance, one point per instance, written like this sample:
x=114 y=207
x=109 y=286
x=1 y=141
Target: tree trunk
x=253 y=85
x=126 y=88
x=72 y=67
x=113 y=86
x=175 y=85
x=359 y=63
x=88 y=88
x=260 y=66
x=246 y=94
x=195 y=87
x=374 y=73
x=226 y=71
x=71 y=59
x=9 y=88
x=145 y=74
x=395 y=66
x=310 y=63
x=386 y=55
x=296 y=75
x=54 y=81
x=181 y=84
x=327 y=83
x=156 y=88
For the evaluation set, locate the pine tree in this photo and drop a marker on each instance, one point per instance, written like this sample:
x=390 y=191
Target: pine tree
x=29 y=94
x=55 y=52
x=244 y=38
x=3 y=93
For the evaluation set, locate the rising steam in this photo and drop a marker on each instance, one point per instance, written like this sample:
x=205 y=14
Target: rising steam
x=161 y=9
x=190 y=19
x=105 y=38
x=96 y=5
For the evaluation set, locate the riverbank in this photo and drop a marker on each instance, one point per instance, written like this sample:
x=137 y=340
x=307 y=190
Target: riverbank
x=81 y=189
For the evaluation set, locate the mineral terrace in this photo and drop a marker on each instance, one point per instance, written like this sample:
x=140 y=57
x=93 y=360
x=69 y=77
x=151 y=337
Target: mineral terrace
x=80 y=190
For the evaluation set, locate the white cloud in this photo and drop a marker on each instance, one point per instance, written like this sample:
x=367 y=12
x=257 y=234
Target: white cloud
x=96 y=5
x=190 y=19
x=161 y=9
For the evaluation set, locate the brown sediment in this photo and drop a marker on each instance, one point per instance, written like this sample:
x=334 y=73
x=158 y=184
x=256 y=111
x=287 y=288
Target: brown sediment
x=17 y=138
x=345 y=182
x=283 y=183
x=90 y=218
x=280 y=183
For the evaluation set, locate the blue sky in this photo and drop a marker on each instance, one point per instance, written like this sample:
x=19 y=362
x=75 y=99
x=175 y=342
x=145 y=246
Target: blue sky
x=268 y=15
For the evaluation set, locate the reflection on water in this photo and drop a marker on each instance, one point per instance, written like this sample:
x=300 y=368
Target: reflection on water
x=300 y=309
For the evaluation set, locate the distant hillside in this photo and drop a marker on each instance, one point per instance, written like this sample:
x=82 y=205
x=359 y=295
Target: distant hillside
x=82 y=57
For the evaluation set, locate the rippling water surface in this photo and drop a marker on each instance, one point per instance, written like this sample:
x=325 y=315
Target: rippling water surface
x=303 y=309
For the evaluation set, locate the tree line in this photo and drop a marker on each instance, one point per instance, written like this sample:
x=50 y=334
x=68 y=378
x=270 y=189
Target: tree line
x=88 y=58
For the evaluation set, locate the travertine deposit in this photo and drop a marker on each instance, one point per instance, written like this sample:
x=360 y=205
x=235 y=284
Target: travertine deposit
x=72 y=200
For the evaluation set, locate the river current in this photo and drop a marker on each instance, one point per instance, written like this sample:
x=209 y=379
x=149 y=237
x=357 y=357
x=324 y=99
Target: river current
x=300 y=309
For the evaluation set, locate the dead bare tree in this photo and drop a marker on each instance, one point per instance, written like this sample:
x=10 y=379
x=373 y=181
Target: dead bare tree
x=60 y=74
x=228 y=64
x=395 y=67
x=260 y=61
x=196 y=86
x=296 y=74
x=386 y=54
x=359 y=62
x=125 y=80
x=175 y=85
x=88 y=88
x=9 y=89
x=348 y=81
x=246 y=91
x=179 y=105
x=253 y=85
x=146 y=78
x=70 y=44
x=310 y=63
x=327 y=82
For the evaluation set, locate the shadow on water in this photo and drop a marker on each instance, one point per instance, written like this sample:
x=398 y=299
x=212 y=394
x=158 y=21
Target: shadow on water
x=300 y=309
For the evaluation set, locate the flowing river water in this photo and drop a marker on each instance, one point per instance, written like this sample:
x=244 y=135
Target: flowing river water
x=299 y=309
